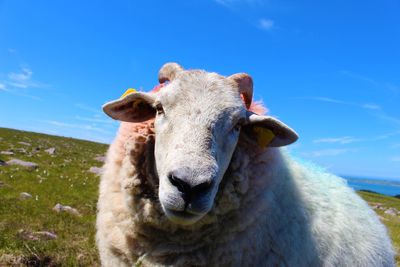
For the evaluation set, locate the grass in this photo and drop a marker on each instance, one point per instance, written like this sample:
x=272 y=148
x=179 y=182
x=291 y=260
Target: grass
x=392 y=222
x=64 y=178
x=61 y=178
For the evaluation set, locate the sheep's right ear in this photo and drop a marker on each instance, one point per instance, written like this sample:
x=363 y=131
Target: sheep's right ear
x=268 y=131
x=133 y=107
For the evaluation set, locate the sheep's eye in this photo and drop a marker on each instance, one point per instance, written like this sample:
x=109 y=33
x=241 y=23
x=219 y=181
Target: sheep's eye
x=159 y=109
x=238 y=125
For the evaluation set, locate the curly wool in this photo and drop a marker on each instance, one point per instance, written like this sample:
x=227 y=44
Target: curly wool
x=269 y=211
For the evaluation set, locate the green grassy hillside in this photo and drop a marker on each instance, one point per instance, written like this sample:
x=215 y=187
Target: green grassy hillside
x=33 y=234
x=60 y=178
x=381 y=204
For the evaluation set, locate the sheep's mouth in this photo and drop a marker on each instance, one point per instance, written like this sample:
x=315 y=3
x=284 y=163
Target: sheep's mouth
x=184 y=217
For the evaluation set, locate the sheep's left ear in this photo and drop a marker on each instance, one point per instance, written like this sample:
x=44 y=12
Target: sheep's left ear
x=268 y=131
x=131 y=107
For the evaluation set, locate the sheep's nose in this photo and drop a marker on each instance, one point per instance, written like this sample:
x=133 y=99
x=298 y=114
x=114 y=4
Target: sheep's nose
x=188 y=186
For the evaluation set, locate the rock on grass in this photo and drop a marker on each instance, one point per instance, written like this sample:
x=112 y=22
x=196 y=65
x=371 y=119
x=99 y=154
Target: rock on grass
x=96 y=170
x=26 y=164
x=36 y=236
x=61 y=208
x=392 y=211
x=100 y=158
x=3 y=184
x=46 y=235
x=24 y=143
x=25 y=195
x=50 y=150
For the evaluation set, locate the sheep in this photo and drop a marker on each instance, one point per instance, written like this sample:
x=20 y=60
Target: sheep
x=196 y=177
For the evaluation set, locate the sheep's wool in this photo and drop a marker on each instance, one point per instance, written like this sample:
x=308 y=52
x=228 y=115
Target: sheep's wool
x=269 y=211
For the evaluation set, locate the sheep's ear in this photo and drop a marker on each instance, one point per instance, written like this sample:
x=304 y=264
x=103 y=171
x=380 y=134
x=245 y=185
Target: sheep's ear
x=244 y=84
x=268 y=131
x=131 y=107
x=169 y=71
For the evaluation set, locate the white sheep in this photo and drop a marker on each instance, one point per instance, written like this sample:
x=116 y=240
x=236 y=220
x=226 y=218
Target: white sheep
x=195 y=178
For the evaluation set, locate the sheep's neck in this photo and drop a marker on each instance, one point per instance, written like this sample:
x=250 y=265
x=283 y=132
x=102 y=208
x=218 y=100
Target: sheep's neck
x=159 y=239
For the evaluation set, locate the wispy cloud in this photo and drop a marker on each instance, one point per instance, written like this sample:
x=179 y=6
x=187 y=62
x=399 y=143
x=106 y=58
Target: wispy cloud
x=226 y=3
x=393 y=120
x=88 y=108
x=385 y=136
x=361 y=77
x=18 y=83
x=396 y=145
x=22 y=79
x=370 y=106
x=396 y=159
x=266 y=24
x=339 y=140
x=79 y=130
x=248 y=7
x=328 y=152
x=392 y=87
x=25 y=95
x=231 y=3
x=385 y=85
x=95 y=120
x=86 y=127
x=378 y=110
x=2 y=86
x=349 y=139
x=327 y=99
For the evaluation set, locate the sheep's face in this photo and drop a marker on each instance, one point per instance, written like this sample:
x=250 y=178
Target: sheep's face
x=198 y=120
x=197 y=126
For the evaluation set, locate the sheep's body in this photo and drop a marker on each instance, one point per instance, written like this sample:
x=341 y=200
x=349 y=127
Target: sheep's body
x=195 y=179
x=269 y=211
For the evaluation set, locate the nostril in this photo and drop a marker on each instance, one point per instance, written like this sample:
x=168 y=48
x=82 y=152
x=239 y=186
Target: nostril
x=181 y=185
x=201 y=188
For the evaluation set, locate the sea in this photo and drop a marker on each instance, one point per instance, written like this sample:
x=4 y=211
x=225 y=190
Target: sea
x=386 y=187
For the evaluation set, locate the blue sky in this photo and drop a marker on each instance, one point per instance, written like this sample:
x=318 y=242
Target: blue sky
x=329 y=69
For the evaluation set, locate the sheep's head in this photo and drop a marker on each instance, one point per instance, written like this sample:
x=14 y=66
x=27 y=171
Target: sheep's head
x=199 y=117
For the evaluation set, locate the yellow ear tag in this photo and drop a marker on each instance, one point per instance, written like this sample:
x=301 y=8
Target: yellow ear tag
x=128 y=92
x=264 y=136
